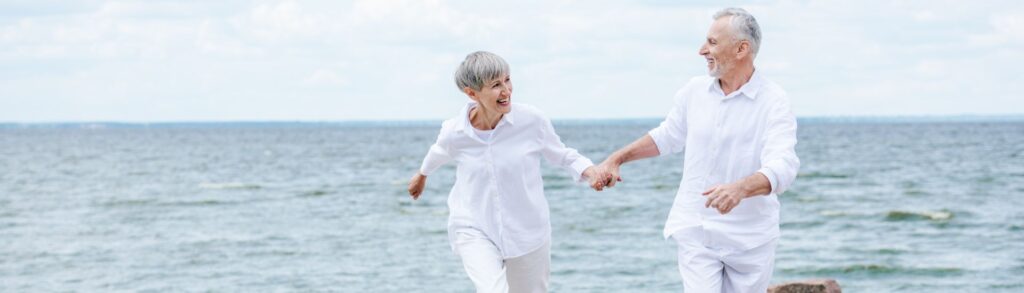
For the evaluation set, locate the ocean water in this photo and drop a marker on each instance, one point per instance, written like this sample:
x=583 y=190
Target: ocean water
x=881 y=207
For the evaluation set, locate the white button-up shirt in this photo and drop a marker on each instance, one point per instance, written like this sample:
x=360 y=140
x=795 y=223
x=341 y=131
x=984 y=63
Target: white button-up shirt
x=727 y=138
x=498 y=188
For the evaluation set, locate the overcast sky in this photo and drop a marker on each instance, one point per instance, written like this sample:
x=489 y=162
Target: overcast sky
x=151 y=61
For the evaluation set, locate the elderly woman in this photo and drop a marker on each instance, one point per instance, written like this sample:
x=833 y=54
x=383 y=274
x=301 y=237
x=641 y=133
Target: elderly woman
x=498 y=223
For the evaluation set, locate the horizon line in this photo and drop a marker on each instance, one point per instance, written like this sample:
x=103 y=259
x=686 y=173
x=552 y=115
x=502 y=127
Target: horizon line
x=399 y=122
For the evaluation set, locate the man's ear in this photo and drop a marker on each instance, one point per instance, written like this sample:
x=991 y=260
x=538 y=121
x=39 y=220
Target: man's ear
x=743 y=49
x=471 y=94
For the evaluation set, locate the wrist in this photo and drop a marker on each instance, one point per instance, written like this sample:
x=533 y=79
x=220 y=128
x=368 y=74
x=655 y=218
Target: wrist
x=615 y=160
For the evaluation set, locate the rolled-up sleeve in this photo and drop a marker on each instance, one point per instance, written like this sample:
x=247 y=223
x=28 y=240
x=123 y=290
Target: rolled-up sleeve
x=438 y=155
x=778 y=158
x=556 y=153
x=670 y=135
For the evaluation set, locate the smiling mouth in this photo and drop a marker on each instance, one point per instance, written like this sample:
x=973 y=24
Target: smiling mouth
x=505 y=101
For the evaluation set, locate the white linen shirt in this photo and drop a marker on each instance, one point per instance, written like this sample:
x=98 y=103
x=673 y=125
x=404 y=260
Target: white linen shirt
x=727 y=138
x=498 y=188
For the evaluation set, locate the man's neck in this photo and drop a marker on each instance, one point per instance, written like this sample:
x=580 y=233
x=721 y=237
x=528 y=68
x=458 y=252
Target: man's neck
x=735 y=79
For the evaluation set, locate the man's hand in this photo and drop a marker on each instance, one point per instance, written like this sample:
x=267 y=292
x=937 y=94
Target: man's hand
x=598 y=177
x=416 y=185
x=728 y=196
x=724 y=197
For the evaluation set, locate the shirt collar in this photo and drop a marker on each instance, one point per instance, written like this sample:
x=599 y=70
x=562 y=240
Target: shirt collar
x=749 y=89
x=464 y=121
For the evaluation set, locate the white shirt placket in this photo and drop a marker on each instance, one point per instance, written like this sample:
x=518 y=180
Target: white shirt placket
x=494 y=190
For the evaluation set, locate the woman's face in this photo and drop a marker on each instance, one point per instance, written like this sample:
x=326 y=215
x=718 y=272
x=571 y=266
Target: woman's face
x=494 y=96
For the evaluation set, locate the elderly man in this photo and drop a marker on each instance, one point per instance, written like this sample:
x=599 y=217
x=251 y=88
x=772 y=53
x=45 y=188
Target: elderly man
x=738 y=134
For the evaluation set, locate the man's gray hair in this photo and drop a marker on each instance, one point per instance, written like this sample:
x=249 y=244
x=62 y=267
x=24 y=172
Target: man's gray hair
x=478 y=68
x=744 y=25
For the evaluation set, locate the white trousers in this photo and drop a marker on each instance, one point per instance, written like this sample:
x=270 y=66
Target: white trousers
x=491 y=273
x=719 y=269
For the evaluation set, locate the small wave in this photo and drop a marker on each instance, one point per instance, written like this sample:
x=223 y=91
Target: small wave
x=209 y=202
x=801 y=225
x=844 y=213
x=228 y=185
x=128 y=202
x=923 y=215
x=822 y=175
x=314 y=193
x=876 y=269
x=914 y=192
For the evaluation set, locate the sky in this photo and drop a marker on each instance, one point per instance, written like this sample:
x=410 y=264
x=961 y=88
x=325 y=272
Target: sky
x=160 y=61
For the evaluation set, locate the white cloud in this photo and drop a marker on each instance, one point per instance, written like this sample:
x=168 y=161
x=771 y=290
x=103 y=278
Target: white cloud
x=326 y=77
x=331 y=60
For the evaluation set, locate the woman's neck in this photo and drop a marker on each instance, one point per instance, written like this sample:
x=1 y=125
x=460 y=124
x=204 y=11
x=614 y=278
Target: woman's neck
x=482 y=119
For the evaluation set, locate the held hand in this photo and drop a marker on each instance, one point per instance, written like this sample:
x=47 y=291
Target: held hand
x=724 y=197
x=416 y=185
x=597 y=176
x=612 y=169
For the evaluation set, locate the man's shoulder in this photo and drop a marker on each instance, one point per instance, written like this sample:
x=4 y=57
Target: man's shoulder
x=696 y=84
x=772 y=91
x=699 y=82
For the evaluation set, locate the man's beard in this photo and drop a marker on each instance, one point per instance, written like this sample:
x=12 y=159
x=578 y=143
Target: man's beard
x=718 y=69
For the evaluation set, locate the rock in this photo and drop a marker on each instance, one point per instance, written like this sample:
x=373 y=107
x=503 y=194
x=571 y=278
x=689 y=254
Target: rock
x=808 y=286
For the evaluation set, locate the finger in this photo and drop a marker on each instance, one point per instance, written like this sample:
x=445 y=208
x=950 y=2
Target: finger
x=710 y=190
x=617 y=179
x=722 y=205
x=718 y=201
x=710 y=200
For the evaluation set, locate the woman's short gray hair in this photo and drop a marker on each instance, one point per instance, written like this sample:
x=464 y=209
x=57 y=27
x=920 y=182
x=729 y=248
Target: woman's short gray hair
x=744 y=25
x=478 y=68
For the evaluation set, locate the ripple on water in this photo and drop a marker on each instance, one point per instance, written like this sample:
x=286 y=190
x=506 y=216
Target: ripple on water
x=877 y=269
x=314 y=193
x=897 y=215
x=229 y=185
x=826 y=175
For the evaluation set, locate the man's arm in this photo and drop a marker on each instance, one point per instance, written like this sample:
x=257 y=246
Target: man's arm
x=725 y=197
x=642 y=148
x=779 y=164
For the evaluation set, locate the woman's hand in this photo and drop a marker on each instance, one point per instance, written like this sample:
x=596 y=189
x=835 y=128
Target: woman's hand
x=416 y=185
x=612 y=169
x=598 y=177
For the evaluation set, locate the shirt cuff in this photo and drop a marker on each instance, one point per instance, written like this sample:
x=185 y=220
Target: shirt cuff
x=578 y=167
x=771 y=178
x=659 y=141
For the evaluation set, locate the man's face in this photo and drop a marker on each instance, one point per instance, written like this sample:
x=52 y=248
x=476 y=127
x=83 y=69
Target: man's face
x=720 y=48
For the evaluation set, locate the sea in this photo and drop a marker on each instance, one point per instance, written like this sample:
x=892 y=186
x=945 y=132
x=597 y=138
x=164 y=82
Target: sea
x=880 y=205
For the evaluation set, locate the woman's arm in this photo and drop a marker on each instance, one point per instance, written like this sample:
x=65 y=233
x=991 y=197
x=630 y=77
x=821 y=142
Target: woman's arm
x=437 y=156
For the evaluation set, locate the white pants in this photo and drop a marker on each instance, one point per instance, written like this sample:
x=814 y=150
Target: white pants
x=491 y=273
x=718 y=269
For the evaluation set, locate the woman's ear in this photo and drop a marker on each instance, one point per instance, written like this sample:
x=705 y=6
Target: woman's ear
x=471 y=94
